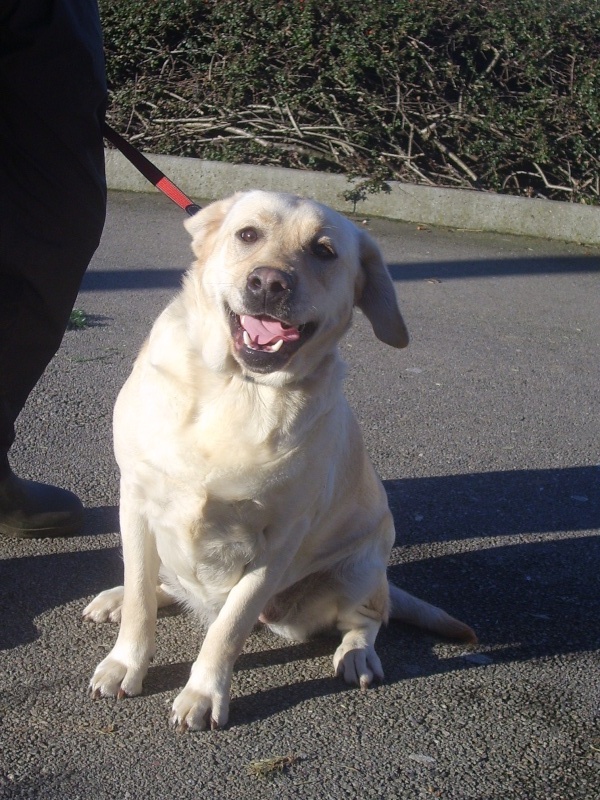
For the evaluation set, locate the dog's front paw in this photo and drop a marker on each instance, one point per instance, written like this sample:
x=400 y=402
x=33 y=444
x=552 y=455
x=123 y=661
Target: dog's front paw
x=357 y=665
x=115 y=677
x=106 y=606
x=203 y=703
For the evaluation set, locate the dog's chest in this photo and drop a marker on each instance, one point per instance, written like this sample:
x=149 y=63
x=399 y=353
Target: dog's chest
x=209 y=476
x=208 y=516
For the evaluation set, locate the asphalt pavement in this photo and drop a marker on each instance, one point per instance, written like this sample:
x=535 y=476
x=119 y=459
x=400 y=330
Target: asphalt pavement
x=486 y=432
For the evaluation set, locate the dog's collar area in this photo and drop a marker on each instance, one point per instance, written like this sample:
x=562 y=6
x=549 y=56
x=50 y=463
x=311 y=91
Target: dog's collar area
x=264 y=343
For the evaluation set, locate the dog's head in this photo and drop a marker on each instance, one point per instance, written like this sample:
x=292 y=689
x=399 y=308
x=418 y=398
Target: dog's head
x=276 y=279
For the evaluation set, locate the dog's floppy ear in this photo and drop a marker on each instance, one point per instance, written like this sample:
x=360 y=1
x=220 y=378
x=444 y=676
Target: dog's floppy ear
x=377 y=299
x=207 y=221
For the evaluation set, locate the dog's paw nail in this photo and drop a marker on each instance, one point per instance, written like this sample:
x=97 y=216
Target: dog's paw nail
x=179 y=726
x=96 y=694
x=121 y=694
x=214 y=725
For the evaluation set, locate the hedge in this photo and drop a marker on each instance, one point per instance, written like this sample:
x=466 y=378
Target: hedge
x=499 y=95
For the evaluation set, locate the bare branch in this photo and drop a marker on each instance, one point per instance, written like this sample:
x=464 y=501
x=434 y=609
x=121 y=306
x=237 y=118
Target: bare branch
x=549 y=185
x=453 y=157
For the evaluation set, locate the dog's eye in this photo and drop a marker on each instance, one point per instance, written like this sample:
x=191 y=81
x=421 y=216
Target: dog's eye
x=248 y=235
x=323 y=248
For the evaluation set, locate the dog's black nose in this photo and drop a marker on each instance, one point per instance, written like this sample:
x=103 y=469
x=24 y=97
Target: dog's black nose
x=270 y=283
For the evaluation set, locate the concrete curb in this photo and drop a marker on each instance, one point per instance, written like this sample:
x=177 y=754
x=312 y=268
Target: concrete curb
x=455 y=208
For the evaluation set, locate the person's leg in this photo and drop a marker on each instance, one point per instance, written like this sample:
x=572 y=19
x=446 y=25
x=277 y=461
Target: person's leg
x=52 y=208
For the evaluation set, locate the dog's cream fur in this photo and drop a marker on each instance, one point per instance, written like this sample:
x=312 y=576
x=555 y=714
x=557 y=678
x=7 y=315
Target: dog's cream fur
x=244 y=479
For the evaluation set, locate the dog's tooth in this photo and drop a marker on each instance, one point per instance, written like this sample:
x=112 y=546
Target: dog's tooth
x=247 y=339
x=277 y=346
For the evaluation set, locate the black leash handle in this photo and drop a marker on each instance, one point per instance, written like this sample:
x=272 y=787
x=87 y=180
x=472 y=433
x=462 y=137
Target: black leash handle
x=150 y=171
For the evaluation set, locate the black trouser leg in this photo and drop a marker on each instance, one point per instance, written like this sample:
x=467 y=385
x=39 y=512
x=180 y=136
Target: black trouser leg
x=52 y=186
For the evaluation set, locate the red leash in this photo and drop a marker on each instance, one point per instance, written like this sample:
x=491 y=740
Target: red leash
x=150 y=172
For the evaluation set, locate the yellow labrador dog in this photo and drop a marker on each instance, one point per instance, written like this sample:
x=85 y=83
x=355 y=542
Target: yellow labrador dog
x=244 y=479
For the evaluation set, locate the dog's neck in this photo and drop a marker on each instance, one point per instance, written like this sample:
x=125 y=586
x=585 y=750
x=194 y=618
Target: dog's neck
x=274 y=412
x=267 y=412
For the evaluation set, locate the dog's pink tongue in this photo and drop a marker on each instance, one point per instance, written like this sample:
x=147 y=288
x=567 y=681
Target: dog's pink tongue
x=265 y=330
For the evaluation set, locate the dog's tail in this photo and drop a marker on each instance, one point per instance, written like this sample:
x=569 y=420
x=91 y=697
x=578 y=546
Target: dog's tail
x=405 y=607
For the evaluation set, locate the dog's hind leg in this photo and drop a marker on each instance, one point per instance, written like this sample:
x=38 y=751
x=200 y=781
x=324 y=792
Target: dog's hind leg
x=106 y=606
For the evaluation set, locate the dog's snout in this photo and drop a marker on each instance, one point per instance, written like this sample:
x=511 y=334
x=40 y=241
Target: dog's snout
x=270 y=283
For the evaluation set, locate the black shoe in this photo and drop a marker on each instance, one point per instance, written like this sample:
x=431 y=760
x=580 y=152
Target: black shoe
x=30 y=510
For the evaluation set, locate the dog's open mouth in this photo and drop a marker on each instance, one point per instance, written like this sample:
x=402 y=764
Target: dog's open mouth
x=266 y=343
x=266 y=333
